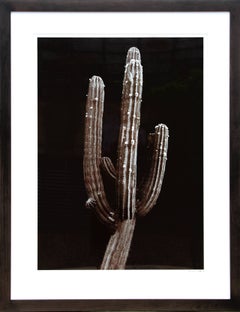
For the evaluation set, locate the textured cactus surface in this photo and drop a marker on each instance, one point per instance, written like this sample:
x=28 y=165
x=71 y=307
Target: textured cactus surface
x=130 y=202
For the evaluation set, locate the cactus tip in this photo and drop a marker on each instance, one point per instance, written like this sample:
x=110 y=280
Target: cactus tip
x=134 y=50
x=96 y=79
x=133 y=53
x=161 y=126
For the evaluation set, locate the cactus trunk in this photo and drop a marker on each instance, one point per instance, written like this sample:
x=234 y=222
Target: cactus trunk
x=118 y=247
x=126 y=174
x=122 y=218
x=128 y=137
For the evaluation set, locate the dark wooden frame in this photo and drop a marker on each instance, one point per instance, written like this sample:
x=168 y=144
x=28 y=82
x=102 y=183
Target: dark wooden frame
x=8 y=6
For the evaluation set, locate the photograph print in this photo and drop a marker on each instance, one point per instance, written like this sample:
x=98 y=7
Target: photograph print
x=120 y=153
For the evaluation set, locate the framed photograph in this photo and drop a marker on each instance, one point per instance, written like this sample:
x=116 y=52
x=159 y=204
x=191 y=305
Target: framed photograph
x=119 y=155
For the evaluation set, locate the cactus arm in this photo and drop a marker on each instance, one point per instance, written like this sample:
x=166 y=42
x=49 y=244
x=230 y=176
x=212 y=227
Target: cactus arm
x=128 y=135
x=108 y=167
x=152 y=187
x=92 y=151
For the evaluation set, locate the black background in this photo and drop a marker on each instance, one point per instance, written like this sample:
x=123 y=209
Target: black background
x=69 y=235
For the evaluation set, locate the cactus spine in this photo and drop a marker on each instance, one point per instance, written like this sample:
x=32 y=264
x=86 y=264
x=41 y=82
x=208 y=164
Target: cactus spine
x=130 y=203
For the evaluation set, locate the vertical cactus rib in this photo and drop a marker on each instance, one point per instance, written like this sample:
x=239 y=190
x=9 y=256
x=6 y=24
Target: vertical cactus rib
x=92 y=151
x=128 y=135
x=152 y=187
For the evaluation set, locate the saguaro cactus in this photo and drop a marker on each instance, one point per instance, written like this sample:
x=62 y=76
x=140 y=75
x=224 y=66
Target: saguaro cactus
x=129 y=202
